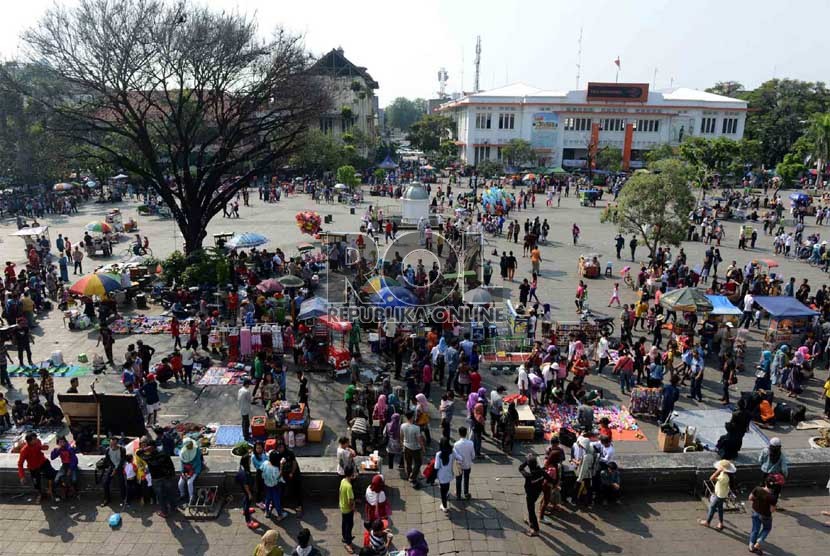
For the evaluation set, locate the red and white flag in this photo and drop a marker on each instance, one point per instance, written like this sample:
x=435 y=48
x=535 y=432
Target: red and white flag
x=617 y=61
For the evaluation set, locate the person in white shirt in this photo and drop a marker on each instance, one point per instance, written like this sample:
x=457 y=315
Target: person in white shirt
x=496 y=406
x=465 y=454
x=605 y=449
x=602 y=353
x=523 y=382
x=243 y=398
x=746 y=319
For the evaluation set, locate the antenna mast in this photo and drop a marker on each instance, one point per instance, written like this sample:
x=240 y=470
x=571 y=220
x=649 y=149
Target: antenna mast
x=476 y=88
x=443 y=76
x=578 y=58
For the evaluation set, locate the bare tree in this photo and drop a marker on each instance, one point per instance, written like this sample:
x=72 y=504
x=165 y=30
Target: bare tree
x=192 y=101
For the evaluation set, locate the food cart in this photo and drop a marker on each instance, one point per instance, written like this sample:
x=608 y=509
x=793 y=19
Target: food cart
x=723 y=310
x=115 y=219
x=337 y=353
x=30 y=237
x=589 y=265
x=788 y=319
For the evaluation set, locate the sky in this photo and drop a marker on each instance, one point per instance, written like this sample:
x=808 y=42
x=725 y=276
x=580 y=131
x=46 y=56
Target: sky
x=403 y=45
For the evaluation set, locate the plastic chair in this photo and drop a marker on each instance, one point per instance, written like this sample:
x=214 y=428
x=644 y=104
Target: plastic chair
x=609 y=268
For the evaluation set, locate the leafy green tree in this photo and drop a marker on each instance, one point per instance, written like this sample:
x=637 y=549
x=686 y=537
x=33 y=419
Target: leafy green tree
x=820 y=134
x=380 y=174
x=519 y=153
x=790 y=169
x=402 y=113
x=780 y=110
x=655 y=204
x=427 y=133
x=446 y=155
x=609 y=158
x=708 y=156
x=489 y=168
x=320 y=153
x=192 y=101
x=727 y=88
x=346 y=176
x=660 y=152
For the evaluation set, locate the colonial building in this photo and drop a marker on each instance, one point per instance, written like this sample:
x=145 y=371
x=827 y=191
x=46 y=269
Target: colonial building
x=354 y=107
x=563 y=125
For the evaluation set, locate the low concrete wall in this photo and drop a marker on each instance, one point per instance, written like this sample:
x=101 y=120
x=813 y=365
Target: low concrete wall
x=320 y=478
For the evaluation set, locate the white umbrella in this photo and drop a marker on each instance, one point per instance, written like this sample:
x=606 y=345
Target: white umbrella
x=341 y=186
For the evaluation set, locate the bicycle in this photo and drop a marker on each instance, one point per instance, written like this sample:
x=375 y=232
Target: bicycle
x=129 y=252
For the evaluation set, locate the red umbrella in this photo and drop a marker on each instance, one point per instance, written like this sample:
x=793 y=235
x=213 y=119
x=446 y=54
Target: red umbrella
x=769 y=263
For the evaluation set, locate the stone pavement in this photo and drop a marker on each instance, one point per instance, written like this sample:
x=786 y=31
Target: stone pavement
x=556 y=286
x=491 y=523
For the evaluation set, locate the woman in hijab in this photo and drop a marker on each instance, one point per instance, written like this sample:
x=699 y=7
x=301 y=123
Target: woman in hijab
x=191 y=459
x=472 y=400
x=417 y=543
x=444 y=471
x=379 y=417
x=268 y=545
x=774 y=464
x=377 y=505
x=763 y=381
x=422 y=416
x=779 y=362
x=535 y=478
x=392 y=431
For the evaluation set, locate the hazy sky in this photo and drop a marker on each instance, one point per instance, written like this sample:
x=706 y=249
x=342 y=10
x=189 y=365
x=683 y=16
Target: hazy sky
x=695 y=43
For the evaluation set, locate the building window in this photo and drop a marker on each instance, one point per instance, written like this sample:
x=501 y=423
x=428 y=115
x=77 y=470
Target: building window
x=612 y=124
x=483 y=120
x=327 y=125
x=507 y=121
x=577 y=124
x=647 y=126
x=481 y=154
x=707 y=125
x=730 y=126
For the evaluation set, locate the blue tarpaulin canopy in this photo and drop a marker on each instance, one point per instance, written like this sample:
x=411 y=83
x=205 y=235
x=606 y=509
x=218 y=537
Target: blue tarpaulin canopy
x=388 y=164
x=722 y=306
x=780 y=306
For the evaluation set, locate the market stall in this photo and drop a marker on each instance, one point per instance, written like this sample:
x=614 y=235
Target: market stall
x=788 y=318
x=723 y=310
x=623 y=426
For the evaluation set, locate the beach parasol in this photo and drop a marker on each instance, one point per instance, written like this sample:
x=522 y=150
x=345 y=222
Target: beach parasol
x=99 y=227
x=63 y=186
x=313 y=308
x=478 y=296
x=96 y=284
x=395 y=296
x=269 y=285
x=301 y=247
x=340 y=186
x=374 y=285
x=529 y=177
x=246 y=240
x=687 y=300
x=291 y=281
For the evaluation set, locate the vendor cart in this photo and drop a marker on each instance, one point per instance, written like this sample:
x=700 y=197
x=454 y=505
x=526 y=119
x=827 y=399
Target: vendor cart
x=115 y=219
x=333 y=335
x=788 y=319
x=30 y=237
x=589 y=265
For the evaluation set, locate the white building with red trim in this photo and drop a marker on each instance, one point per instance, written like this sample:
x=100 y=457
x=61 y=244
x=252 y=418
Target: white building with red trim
x=563 y=125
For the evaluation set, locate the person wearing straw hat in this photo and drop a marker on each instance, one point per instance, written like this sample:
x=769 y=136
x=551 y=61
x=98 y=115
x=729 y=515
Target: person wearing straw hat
x=245 y=479
x=721 y=479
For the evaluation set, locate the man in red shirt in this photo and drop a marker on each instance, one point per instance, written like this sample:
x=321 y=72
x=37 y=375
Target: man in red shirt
x=32 y=454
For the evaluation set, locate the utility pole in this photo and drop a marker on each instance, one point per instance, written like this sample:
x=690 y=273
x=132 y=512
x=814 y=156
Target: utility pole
x=476 y=88
x=578 y=58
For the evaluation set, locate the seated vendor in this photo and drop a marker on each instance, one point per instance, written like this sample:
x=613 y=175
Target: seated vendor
x=53 y=414
x=35 y=414
x=765 y=414
x=19 y=411
x=191 y=461
x=574 y=390
x=164 y=371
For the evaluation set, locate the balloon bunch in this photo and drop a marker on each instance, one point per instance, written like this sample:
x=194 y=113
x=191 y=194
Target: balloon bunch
x=496 y=199
x=309 y=222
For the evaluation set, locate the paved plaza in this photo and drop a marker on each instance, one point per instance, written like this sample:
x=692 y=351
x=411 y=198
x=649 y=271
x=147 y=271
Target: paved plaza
x=646 y=522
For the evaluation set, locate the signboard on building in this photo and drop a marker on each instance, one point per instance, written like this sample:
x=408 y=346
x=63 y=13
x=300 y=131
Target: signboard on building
x=543 y=131
x=618 y=92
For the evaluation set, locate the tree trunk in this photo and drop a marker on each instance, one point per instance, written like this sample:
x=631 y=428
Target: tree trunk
x=194 y=234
